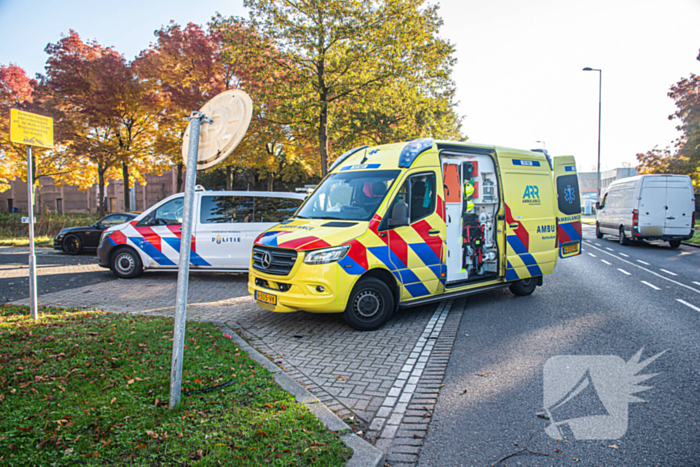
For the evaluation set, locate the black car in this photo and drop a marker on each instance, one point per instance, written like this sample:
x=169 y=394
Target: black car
x=77 y=239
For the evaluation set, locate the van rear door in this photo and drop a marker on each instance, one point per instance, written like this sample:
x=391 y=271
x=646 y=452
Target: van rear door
x=568 y=206
x=679 y=205
x=652 y=206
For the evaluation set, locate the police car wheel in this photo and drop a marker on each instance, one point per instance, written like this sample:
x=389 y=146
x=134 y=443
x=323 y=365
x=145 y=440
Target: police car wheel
x=72 y=245
x=370 y=306
x=524 y=287
x=598 y=233
x=126 y=264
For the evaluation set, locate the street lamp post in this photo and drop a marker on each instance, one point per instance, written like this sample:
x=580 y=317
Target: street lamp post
x=600 y=91
x=543 y=146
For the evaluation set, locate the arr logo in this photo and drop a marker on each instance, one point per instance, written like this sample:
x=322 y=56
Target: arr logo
x=532 y=194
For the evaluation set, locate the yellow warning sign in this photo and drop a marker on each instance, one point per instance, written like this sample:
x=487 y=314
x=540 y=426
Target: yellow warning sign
x=31 y=129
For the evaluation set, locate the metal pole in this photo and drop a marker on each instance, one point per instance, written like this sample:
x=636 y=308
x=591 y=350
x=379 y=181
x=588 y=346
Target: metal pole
x=34 y=312
x=600 y=95
x=196 y=119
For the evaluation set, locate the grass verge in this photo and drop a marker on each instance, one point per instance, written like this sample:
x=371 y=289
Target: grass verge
x=85 y=387
x=696 y=235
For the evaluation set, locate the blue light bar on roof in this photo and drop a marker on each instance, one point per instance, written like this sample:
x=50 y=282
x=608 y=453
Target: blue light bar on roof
x=412 y=150
x=344 y=156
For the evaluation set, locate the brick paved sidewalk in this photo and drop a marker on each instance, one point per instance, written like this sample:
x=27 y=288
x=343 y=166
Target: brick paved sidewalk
x=385 y=382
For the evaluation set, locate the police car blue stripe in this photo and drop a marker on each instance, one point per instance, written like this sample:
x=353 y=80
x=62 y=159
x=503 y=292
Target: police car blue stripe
x=195 y=259
x=148 y=248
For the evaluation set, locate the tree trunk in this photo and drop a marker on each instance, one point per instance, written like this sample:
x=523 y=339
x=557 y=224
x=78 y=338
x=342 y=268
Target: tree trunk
x=127 y=198
x=179 y=176
x=229 y=178
x=323 y=135
x=101 y=187
x=271 y=182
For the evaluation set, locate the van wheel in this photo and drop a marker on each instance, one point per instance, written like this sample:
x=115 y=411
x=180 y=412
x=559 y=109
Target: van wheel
x=623 y=240
x=674 y=243
x=598 y=233
x=126 y=263
x=524 y=287
x=370 y=305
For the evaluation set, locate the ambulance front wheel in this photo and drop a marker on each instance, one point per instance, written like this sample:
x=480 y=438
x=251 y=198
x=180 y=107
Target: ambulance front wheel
x=524 y=287
x=598 y=233
x=370 y=305
x=126 y=263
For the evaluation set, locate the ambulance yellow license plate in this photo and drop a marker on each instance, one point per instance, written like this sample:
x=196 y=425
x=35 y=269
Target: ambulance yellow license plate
x=266 y=297
x=569 y=249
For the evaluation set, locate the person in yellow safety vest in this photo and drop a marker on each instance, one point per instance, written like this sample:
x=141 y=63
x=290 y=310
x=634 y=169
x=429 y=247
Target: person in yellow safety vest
x=468 y=191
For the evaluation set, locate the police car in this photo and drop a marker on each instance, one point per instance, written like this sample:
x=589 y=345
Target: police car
x=225 y=225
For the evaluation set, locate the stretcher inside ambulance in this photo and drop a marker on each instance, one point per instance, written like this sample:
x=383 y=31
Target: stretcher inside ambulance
x=411 y=223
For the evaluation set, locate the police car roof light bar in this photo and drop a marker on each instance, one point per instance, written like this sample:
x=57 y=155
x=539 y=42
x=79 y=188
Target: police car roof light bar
x=344 y=156
x=412 y=150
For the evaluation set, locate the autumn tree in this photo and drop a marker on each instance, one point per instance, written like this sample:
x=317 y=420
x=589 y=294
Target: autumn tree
x=181 y=71
x=347 y=58
x=73 y=80
x=17 y=91
x=685 y=158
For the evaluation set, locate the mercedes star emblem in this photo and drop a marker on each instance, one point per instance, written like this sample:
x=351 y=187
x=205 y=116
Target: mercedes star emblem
x=266 y=260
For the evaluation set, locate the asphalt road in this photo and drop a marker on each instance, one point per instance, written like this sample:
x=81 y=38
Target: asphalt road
x=57 y=271
x=612 y=300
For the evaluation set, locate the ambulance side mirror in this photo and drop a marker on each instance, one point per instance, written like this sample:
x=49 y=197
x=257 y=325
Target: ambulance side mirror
x=399 y=215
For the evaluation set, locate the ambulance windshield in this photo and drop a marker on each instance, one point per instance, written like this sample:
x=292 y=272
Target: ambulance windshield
x=352 y=195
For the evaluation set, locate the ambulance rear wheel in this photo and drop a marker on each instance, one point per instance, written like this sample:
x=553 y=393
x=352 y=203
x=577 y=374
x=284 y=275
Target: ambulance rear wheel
x=370 y=305
x=126 y=263
x=524 y=287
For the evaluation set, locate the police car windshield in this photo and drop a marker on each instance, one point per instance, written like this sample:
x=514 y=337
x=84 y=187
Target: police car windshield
x=351 y=195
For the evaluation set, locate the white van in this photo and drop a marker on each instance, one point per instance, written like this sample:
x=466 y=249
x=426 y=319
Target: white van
x=648 y=207
x=225 y=225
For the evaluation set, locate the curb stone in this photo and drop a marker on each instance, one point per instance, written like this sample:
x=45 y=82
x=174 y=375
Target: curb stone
x=694 y=245
x=364 y=454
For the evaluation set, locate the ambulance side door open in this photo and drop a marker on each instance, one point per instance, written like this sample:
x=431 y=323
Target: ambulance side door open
x=417 y=249
x=568 y=206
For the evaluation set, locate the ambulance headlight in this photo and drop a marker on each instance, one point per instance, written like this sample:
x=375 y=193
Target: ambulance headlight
x=327 y=255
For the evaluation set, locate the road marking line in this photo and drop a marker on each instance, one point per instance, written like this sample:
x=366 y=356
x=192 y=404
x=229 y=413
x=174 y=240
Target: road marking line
x=668 y=272
x=650 y=271
x=597 y=244
x=624 y=272
x=697 y=283
x=626 y=256
x=688 y=304
x=609 y=264
x=651 y=285
x=592 y=255
x=643 y=262
x=608 y=248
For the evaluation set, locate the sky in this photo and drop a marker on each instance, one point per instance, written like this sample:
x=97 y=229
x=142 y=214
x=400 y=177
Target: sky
x=519 y=65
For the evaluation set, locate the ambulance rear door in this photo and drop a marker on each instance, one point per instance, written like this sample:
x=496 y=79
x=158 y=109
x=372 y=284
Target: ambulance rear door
x=531 y=249
x=568 y=206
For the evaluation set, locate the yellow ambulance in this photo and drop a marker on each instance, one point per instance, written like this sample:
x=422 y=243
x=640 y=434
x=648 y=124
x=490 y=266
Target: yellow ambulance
x=408 y=224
